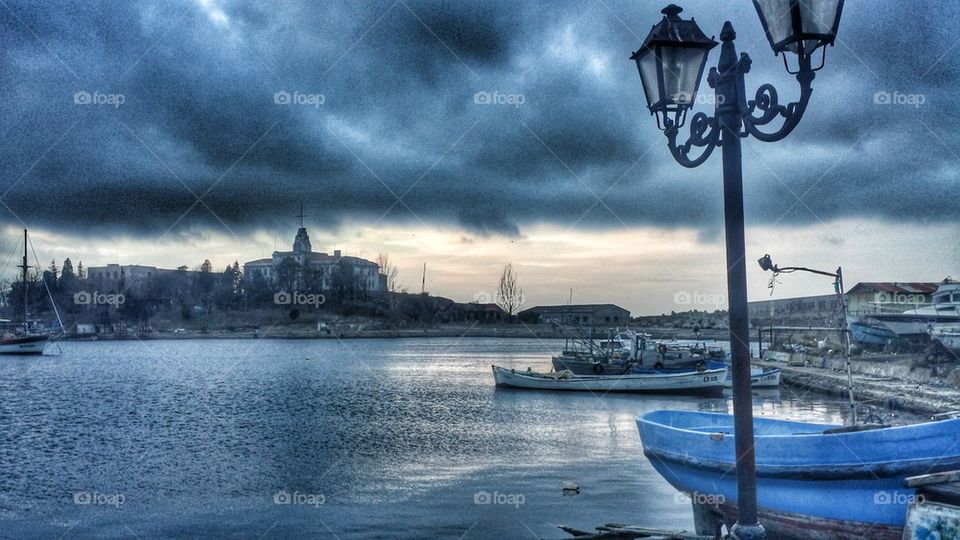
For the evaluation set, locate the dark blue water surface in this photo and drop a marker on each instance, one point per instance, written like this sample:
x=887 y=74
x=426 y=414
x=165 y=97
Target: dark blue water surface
x=404 y=438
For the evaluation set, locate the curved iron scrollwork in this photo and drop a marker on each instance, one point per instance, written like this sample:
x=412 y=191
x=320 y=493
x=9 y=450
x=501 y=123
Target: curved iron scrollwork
x=766 y=108
x=704 y=133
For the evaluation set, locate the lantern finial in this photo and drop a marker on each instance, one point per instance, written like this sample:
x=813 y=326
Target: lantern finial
x=672 y=11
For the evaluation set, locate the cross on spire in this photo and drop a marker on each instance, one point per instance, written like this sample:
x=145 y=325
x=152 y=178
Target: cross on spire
x=301 y=216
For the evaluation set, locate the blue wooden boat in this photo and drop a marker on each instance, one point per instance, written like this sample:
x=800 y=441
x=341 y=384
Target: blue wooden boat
x=871 y=333
x=813 y=480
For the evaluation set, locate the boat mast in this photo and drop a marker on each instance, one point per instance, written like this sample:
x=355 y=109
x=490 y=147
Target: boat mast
x=24 y=267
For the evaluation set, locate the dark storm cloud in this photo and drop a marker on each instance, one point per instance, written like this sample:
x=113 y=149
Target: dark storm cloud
x=399 y=119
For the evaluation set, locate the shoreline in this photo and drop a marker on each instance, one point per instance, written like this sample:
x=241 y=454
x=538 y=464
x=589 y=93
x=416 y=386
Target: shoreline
x=475 y=331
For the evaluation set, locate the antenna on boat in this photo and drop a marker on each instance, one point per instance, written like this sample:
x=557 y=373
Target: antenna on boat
x=423 y=279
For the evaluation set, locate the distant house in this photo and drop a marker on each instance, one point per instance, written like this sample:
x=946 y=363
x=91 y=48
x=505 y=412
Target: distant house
x=866 y=297
x=582 y=314
x=128 y=277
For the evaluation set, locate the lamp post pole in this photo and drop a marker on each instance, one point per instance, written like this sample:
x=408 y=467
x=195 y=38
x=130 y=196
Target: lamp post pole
x=728 y=80
x=671 y=62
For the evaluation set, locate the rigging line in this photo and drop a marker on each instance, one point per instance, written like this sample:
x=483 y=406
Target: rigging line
x=45 y=286
x=8 y=258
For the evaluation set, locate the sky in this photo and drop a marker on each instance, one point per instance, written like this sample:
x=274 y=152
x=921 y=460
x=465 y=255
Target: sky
x=467 y=135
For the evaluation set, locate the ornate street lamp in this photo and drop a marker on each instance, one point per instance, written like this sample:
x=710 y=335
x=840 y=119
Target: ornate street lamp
x=800 y=27
x=671 y=63
x=673 y=52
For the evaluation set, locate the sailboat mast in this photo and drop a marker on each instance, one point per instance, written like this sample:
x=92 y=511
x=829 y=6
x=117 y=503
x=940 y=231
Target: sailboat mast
x=24 y=267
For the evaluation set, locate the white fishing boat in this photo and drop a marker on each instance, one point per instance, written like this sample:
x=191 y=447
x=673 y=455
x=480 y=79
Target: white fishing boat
x=943 y=310
x=704 y=380
x=759 y=378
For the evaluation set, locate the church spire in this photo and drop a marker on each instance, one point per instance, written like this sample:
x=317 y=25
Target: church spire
x=301 y=244
x=301 y=216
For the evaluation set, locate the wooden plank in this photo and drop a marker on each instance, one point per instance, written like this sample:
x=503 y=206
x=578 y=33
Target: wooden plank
x=935 y=478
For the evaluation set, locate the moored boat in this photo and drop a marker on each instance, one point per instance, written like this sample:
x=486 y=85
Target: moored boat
x=813 y=480
x=944 y=309
x=948 y=336
x=24 y=337
x=759 y=378
x=870 y=332
x=705 y=380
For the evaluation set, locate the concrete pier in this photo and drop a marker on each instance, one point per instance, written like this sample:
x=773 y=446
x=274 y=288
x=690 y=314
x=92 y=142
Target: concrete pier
x=895 y=381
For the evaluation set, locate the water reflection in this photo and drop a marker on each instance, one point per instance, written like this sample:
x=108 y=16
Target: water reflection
x=397 y=435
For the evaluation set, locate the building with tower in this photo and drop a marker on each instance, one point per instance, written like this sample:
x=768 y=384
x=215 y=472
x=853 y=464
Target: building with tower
x=305 y=269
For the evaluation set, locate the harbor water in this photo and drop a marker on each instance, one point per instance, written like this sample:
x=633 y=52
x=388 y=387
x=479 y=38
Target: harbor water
x=391 y=438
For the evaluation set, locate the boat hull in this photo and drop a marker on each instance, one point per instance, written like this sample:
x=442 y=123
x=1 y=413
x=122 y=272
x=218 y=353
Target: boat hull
x=687 y=381
x=909 y=325
x=949 y=337
x=845 y=481
x=24 y=345
x=871 y=333
x=758 y=378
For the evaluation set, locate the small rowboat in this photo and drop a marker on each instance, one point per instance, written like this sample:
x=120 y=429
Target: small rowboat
x=814 y=481
x=706 y=380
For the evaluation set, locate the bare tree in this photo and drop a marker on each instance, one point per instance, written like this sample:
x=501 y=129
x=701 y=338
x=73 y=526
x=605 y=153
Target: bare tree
x=509 y=293
x=391 y=272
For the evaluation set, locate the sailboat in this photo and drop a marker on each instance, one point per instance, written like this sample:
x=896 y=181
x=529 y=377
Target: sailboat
x=23 y=338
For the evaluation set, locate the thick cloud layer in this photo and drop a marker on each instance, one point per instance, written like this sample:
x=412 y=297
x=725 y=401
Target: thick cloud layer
x=379 y=117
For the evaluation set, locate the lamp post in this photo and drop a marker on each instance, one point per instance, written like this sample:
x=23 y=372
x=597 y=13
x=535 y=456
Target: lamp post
x=767 y=266
x=671 y=62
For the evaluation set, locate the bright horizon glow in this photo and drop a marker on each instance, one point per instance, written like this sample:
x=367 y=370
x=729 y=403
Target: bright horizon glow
x=647 y=270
